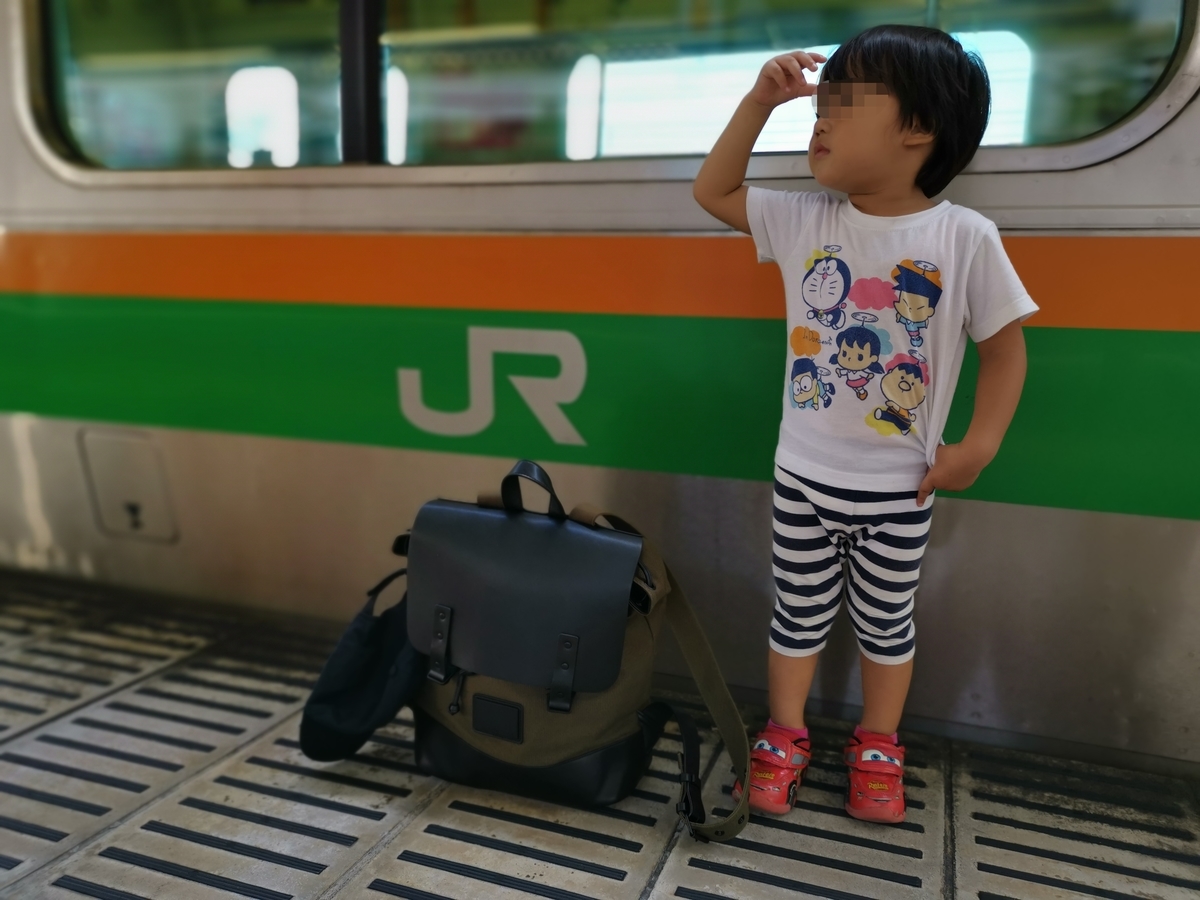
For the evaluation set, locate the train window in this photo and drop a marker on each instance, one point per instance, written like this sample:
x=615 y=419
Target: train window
x=490 y=81
x=194 y=84
x=221 y=83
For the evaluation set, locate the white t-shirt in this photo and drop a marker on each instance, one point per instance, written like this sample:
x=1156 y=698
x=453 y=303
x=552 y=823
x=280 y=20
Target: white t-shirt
x=878 y=314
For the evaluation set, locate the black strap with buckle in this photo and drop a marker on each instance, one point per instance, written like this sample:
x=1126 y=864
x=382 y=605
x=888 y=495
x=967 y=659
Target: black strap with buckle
x=691 y=802
x=562 y=682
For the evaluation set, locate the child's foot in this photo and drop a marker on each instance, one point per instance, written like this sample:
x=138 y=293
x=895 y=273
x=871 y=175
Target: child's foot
x=777 y=761
x=876 y=792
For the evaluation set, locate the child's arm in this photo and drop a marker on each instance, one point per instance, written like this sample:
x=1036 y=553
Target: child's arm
x=1001 y=377
x=718 y=187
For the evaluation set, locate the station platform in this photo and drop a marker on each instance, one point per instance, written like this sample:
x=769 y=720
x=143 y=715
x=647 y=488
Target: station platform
x=149 y=750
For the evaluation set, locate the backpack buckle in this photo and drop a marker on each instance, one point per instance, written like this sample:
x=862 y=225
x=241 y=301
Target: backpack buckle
x=691 y=804
x=439 y=669
x=562 y=681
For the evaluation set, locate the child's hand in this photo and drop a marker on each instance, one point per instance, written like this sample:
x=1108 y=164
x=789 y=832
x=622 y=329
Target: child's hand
x=955 y=468
x=782 y=78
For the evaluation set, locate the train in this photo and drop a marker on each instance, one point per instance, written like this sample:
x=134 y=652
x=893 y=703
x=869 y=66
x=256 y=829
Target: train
x=233 y=367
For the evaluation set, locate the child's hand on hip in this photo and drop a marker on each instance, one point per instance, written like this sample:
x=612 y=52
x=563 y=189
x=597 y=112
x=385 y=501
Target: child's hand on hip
x=955 y=468
x=782 y=78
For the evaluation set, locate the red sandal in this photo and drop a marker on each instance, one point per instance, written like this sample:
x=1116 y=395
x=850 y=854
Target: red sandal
x=876 y=792
x=776 y=765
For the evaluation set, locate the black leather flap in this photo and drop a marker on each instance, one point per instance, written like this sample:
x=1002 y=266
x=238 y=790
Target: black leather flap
x=517 y=582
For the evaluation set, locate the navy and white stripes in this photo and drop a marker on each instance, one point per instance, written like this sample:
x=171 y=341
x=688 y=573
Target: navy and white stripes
x=817 y=529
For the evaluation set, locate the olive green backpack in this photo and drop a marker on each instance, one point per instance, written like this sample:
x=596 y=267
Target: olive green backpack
x=541 y=631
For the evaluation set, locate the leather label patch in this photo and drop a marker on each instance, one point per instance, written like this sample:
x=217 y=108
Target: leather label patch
x=499 y=718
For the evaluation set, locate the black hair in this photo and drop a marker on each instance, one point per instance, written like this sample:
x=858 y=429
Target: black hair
x=909 y=369
x=863 y=338
x=859 y=336
x=804 y=366
x=940 y=87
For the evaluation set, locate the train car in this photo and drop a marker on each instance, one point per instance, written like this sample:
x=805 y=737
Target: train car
x=274 y=273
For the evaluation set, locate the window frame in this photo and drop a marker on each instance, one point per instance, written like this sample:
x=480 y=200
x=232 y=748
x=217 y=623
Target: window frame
x=1177 y=86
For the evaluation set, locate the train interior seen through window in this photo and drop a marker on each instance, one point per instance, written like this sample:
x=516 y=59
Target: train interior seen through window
x=197 y=84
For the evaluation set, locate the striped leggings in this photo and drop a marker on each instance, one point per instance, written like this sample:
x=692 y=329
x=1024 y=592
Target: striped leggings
x=819 y=528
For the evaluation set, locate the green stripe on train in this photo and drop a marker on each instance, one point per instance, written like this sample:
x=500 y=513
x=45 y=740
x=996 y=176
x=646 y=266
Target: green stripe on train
x=1102 y=426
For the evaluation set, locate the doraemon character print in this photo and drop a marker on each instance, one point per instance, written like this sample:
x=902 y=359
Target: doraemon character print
x=918 y=286
x=825 y=287
x=808 y=389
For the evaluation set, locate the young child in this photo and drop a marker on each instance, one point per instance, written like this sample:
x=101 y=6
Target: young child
x=900 y=112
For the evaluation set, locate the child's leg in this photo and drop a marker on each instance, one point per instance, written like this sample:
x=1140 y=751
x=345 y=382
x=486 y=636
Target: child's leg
x=885 y=560
x=807 y=564
x=789 y=678
x=885 y=688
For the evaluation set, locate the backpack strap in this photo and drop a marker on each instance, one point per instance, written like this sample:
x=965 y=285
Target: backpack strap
x=651 y=576
x=715 y=694
x=713 y=691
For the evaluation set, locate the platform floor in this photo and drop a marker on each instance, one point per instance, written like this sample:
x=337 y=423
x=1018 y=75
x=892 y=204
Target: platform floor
x=151 y=754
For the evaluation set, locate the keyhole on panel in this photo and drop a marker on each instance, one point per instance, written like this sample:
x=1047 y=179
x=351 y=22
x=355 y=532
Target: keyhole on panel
x=135 y=515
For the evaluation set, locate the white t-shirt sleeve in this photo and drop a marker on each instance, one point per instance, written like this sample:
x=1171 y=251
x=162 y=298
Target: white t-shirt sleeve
x=995 y=295
x=775 y=218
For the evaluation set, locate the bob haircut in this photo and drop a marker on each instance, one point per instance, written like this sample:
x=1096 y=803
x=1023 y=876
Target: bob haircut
x=804 y=366
x=863 y=338
x=941 y=89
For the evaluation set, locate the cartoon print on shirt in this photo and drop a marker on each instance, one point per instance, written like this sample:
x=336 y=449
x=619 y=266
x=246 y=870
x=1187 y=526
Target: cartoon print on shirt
x=859 y=349
x=903 y=385
x=918 y=286
x=805 y=341
x=808 y=389
x=872 y=294
x=825 y=286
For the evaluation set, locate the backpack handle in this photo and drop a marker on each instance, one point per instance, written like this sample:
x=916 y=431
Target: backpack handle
x=510 y=488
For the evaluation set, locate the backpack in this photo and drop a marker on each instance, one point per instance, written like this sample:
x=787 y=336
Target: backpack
x=541 y=632
x=372 y=672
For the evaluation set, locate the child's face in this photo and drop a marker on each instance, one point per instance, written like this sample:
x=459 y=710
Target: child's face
x=913 y=307
x=903 y=389
x=855 y=358
x=857 y=143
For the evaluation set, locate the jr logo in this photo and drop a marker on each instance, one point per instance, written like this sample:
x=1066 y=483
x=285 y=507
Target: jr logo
x=544 y=396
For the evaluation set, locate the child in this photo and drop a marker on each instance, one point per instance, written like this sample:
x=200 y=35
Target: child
x=901 y=110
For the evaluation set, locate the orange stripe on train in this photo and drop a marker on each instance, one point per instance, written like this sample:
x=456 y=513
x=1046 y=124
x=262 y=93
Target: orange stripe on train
x=1078 y=281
